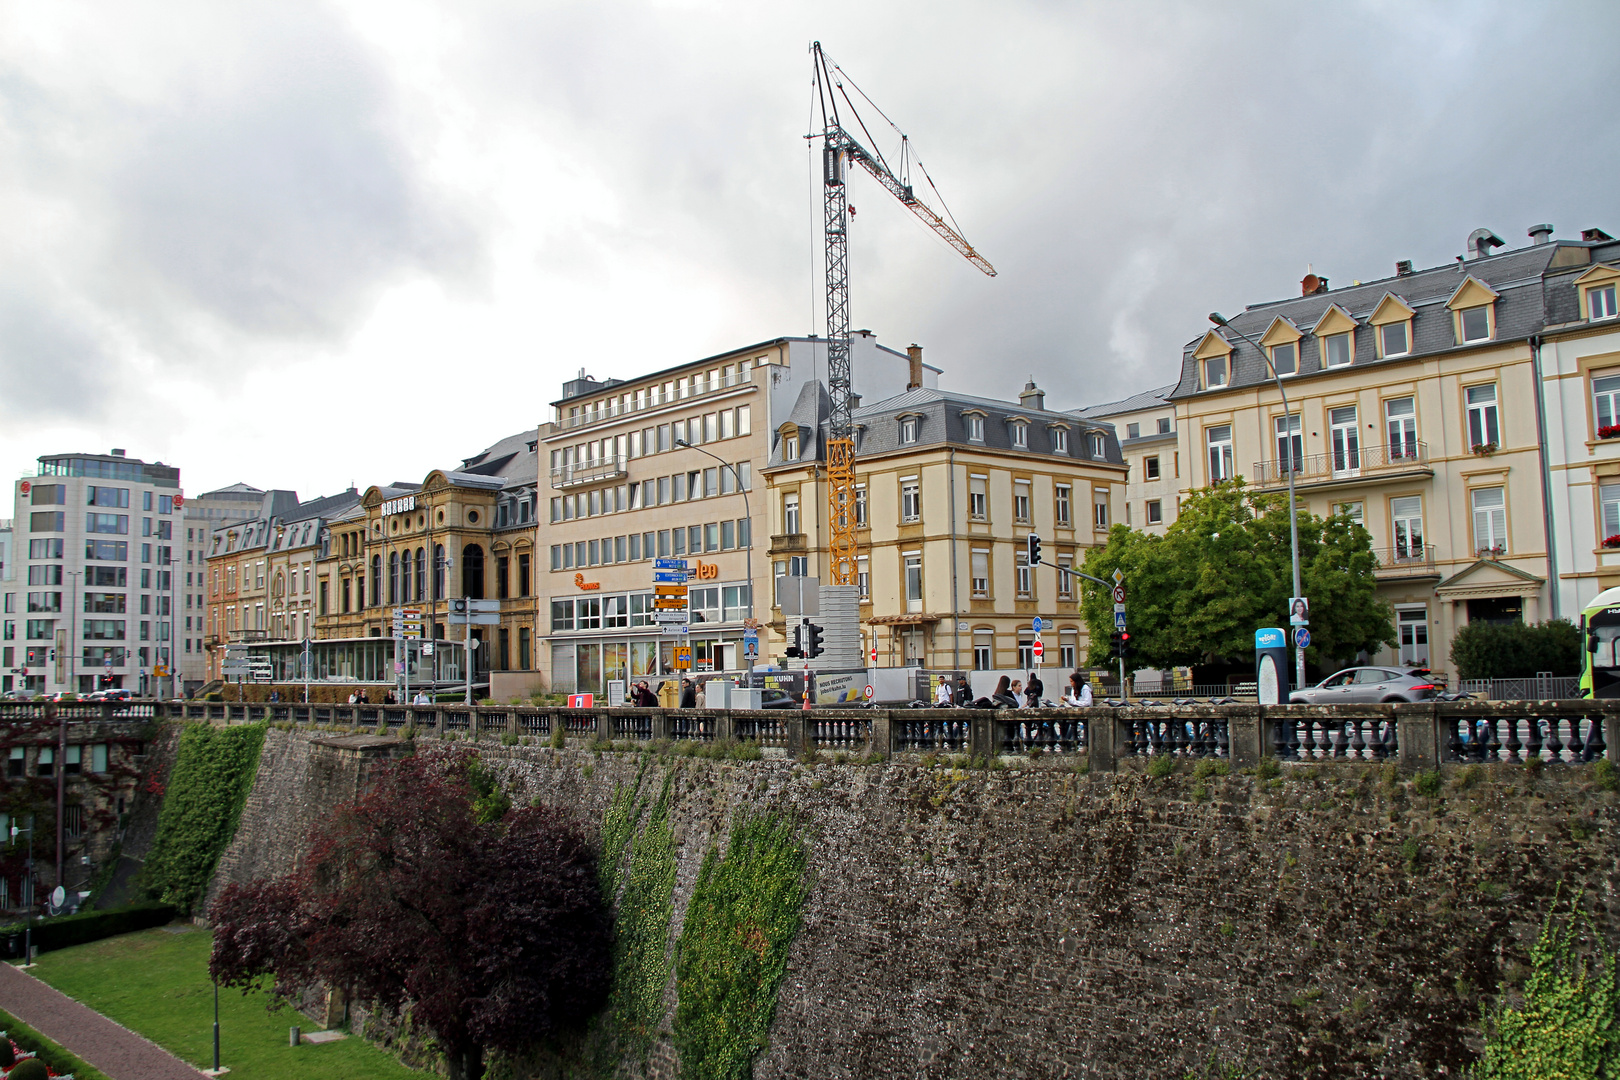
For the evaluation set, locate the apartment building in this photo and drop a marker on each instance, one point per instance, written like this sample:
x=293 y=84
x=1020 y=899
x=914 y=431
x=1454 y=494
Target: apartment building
x=665 y=465
x=1412 y=407
x=1148 y=441
x=1579 y=356
x=203 y=514
x=950 y=487
x=94 y=548
x=10 y=672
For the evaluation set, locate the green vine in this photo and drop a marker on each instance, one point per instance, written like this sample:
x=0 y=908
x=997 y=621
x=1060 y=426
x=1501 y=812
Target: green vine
x=212 y=776
x=733 y=949
x=1568 y=1023
x=641 y=944
x=618 y=830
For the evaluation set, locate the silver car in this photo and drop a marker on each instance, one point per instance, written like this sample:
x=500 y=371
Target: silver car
x=1368 y=684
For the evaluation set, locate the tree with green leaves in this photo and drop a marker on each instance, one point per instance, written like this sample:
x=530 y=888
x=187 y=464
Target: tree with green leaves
x=1223 y=570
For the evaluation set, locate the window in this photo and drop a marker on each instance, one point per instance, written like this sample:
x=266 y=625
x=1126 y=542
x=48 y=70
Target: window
x=860 y=505
x=73 y=765
x=49 y=548
x=984 y=650
x=1609 y=502
x=1285 y=357
x=1099 y=516
x=1214 y=372
x=1021 y=501
x=47 y=521
x=1483 y=429
x=978 y=498
x=1400 y=421
x=1345 y=440
x=1606 y=399
x=48 y=495
x=1490 y=520
x=1220 y=452
x=790 y=448
x=1290 y=444
x=974 y=424
x=47 y=761
x=1351 y=510
x=1020 y=435
x=98 y=757
x=910 y=500
x=908 y=430
x=107 y=496
x=1155 y=512
x=1406 y=519
x=1336 y=350
x=914 y=583
x=1061 y=505
x=1476 y=323
x=790 y=513
x=1060 y=440
x=1065 y=584
x=1150 y=468
x=1025 y=576
x=1412 y=625
x=1098 y=445
x=1133 y=431
x=17 y=762
x=1600 y=302
x=1164 y=425
x=979 y=574
x=1392 y=339
x=745 y=425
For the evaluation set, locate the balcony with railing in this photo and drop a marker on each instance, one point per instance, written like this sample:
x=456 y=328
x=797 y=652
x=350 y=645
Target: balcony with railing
x=1405 y=561
x=590 y=471
x=1378 y=461
x=654 y=398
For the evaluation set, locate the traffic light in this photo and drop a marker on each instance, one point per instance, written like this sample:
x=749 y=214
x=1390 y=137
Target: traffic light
x=812 y=646
x=1113 y=644
x=1124 y=645
x=796 y=649
x=1034 y=550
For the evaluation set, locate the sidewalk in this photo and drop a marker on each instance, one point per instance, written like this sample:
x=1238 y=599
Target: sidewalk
x=115 y=1050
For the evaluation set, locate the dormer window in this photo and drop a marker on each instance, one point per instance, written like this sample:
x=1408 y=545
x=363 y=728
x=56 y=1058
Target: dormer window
x=908 y=430
x=1392 y=323
x=1214 y=372
x=1060 y=440
x=1098 y=445
x=1336 y=330
x=1600 y=302
x=1473 y=308
x=1019 y=433
x=1285 y=357
x=974 y=424
x=1336 y=350
x=1210 y=361
x=790 y=448
x=1476 y=323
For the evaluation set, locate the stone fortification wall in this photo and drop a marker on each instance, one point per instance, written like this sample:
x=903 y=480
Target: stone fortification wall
x=1336 y=921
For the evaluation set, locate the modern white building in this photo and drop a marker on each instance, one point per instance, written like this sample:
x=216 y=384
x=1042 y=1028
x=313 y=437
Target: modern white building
x=96 y=543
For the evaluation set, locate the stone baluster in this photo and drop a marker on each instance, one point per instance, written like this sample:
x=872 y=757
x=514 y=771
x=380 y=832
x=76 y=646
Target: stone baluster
x=1493 y=741
x=1532 y=735
x=1358 y=745
x=1596 y=747
x=1279 y=738
x=1513 y=743
x=1577 y=746
x=1555 y=747
x=1454 y=744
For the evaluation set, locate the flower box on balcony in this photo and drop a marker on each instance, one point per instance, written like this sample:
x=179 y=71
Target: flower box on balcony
x=1492 y=552
x=1483 y=449
x=1612 y=541
x=1609 y=431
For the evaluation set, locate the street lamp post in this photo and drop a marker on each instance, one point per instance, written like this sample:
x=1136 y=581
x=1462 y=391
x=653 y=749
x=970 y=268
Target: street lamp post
x=28 y=890
x=1293 y=506
x=747 y=513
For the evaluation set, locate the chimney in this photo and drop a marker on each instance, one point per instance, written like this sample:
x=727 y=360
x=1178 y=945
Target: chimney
x=1403 y=268
x=914 y=354
x=1310 y=285
x=117 y=453
x=1480 y=242
x=1595 y=236
x=1031 y=398
x=1540 y=233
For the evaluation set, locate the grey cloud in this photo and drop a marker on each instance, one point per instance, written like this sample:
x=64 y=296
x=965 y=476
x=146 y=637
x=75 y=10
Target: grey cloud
x=53 y=367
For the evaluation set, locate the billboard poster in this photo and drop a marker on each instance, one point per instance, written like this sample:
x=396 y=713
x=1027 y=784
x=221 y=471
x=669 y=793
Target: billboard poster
x=840 y=687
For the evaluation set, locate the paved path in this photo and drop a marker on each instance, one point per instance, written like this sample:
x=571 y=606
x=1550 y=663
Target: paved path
x=115 y=1050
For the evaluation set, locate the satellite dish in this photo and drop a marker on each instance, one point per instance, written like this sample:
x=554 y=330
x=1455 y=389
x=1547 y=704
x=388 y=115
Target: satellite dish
x=58 y=896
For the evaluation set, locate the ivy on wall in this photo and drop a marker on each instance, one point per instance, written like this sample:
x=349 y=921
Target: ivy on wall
x=733 y=949
x=641 y=939
x=213 y=773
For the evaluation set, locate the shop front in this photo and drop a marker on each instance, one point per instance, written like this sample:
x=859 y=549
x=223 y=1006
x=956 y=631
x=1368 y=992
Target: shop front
x=599 y=639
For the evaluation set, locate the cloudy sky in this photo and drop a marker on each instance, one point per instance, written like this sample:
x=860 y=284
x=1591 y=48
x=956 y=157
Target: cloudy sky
x=303 y=244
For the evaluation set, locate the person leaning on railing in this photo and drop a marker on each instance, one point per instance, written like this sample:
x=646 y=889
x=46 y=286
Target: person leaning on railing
x=1078 y=696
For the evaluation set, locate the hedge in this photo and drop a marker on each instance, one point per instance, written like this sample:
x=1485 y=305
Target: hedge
x=60 y=1061
x=65 y=930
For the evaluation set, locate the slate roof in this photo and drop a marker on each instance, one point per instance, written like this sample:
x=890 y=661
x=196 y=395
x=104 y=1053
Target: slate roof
x=1147 y=399
x=1520 y=312
x=514 y=459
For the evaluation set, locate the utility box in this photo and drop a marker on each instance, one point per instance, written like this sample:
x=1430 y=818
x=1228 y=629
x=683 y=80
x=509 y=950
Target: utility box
x=747 y=697
x=1271 y=665
x=669 y=694
x=717 y=693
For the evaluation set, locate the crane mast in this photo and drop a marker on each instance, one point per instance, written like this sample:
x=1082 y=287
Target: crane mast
x=838 y=147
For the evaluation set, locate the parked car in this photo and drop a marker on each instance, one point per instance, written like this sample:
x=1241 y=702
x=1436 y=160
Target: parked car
x=115 y=694
x=1368 y=684
x=17 y=695
x=778 y=699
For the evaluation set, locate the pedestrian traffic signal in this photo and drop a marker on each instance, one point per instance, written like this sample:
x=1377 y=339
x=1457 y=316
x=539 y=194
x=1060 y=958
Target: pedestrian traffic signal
x=812 y=644
x=1034 y=550
x=796 y=650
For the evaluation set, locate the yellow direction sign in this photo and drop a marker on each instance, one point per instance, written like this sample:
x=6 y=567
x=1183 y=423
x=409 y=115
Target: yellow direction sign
x=670 y=590
x=683 y=657
x=669 y=603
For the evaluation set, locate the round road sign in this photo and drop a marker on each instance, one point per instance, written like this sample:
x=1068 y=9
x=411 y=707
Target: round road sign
x=1302 y=638
x=870 y=693
x=1119 y=594
x=1038 y=649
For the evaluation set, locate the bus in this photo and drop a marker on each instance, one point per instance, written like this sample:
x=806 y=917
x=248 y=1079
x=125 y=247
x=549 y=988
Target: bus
x=1600 y=628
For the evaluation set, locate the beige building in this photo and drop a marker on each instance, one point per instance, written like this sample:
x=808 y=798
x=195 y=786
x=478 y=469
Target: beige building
x=204 y=514
x=1412 y=408
x=951 y=486
x=623 y=491
x=1148 y=441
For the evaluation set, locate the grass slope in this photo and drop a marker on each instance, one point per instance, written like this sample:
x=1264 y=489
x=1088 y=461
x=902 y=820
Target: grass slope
x=156 y=982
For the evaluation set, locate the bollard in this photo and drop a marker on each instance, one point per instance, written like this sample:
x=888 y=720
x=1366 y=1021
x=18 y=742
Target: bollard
x=293 y=1036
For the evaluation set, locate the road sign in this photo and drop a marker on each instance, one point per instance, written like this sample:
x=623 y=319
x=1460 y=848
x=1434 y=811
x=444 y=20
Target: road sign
x=106 y=662
x=1119 y=594
x=669 y=564
x=1302 y=638
x=1119 y=576
x=677 y=577
x=874 y=654
x=669 y=603
x=1119 y=609
x=670 y=590
x=869 y=692
x=1119 y=620
x=683 y=657
x=1038 y=649
x=670 y=617
x=427 y=648
x=675 y=629
x=1039 y=626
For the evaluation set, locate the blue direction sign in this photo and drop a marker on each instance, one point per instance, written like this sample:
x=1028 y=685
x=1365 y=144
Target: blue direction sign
x=676 y=577
x=669 y=564
x=1302 y=638
x=1039 y=626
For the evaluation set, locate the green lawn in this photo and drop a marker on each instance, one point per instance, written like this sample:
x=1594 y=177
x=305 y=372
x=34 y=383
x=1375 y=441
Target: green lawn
x=156 y=982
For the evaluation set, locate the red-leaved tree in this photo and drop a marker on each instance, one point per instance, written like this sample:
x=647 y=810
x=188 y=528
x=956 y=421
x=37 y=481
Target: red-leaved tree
x=494 y=933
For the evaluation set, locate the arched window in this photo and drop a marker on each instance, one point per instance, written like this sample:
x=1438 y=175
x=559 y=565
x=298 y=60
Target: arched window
x=376 y=579
x=421 y=572
x=438 y=571
x=393 y=577
x=472 y=572
x=405 y=575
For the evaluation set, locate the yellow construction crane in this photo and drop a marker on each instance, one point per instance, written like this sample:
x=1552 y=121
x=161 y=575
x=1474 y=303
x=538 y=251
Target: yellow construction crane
x=838 y=147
